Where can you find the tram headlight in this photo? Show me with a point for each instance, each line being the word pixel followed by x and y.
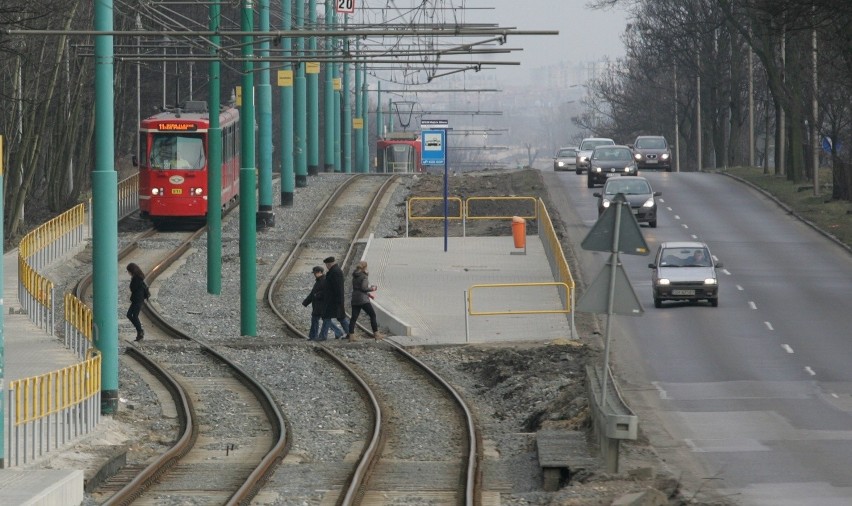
pixel 156 191
pixel 195 191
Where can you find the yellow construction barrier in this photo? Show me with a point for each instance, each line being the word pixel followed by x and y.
pixel 531 212
pixel 563 310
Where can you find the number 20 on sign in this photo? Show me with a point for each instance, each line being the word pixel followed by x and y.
pixel 344 6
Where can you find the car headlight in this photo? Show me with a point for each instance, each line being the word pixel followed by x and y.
pixel 663 281
pixel 597 169
pixel 638 156
pixel 560 164
pixel 710 281
pixel 649 203
pixel 665 156
pixel 629 168
pixel 605 203
pixel 584 158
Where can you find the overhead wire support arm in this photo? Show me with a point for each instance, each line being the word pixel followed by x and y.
pixel 408 32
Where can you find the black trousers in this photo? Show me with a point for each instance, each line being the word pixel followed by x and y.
pixel 133 316
pixel 367 308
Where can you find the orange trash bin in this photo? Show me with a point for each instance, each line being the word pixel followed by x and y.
pixel 519 231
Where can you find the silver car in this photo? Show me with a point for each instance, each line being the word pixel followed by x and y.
pixel 584 153
pixel 684 271
pixel 565 159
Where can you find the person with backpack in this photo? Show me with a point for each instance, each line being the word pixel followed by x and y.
pixel 138 294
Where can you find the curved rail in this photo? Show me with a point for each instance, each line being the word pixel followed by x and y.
pixel 189 429
pixel 371 454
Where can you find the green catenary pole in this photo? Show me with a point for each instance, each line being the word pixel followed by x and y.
pixel 313 96
pixel 2 323
pixel 248 199
pixel 285 82
pixel 365 113
pixel 328 100
pixel 105 212
pixel 346 118
pixel 379 117
pixel 338 162
pixel 214 163
pixel 359 114
pixel 265 217
pixel 301 110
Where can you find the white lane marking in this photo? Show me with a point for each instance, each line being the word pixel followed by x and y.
pixel 727 272
pixel 740 288
pixel 685 225
pixel 787 348
pixel 661 390
pixel 768 325
pixel 750 304
pixel 835 395
pixel 810 371
pixel 694 237
pixel 669 208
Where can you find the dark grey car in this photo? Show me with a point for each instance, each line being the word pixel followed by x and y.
pixel 638 193
pixel 609 161
pixel 652 152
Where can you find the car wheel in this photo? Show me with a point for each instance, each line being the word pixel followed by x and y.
pixel 714 302
pixel 590 183
pixel 652 224
pixel 658 303
pixel 578 170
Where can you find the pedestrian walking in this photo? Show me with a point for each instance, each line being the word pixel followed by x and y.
pixel 334 301
pixel 361 296
pixel 315 300
pixel 138 294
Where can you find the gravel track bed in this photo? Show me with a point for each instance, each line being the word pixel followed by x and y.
pixel 513 390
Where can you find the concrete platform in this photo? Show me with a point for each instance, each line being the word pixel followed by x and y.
pixel 42 487
pixel 421 295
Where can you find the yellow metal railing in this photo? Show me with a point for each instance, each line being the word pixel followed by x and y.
pixel 78 325
pixel 562 310
pixel 528 214
pixel 409 215
pixel 48 410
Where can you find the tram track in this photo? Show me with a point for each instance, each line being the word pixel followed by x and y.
pixel 230 433
pixel 398 441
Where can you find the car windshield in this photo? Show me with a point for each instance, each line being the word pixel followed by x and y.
pixel 566 153
pixel 588 145
pixel 613 154
pixel 685 257
pixel 651 143
pixel 615 186
pixel 184 151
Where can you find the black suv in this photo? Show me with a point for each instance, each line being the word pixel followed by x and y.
pixel 652 152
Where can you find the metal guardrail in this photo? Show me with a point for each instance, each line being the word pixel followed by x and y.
pixel 79 324
pixel 531 214
pixel 410 217
pixel 556 259
pixel 612 419
pixel 48 410
pixel 471 312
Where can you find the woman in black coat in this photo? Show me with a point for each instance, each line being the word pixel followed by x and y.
pixel 138 294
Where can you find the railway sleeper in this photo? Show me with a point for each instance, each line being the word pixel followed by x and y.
pixel 562 454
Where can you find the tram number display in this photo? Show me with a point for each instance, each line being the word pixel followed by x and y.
pixel 177 191
pixel 344 6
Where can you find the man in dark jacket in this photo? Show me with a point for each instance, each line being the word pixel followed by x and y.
pixel 315 299
pixel 335 302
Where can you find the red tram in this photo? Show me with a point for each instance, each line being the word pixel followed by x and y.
pixel 173 171
pixel 398 152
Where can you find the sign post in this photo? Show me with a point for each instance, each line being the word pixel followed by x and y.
pixel 434 153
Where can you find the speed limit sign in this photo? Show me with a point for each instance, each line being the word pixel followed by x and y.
pixel 344 6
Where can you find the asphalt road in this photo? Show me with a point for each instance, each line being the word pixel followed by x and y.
pixel 754 397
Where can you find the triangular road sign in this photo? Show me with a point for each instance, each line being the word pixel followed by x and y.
pixel 596 298
pixel 630 239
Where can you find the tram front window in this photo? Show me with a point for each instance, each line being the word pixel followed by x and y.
pixel 399 158
pixel 178 152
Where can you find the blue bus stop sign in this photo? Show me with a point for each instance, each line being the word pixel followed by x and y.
pixel 434 149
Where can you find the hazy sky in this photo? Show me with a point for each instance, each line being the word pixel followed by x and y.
pixel 584 34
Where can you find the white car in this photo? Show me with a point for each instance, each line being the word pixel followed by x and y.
pixel 684 271
pixel 565 159
pixel 584 152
